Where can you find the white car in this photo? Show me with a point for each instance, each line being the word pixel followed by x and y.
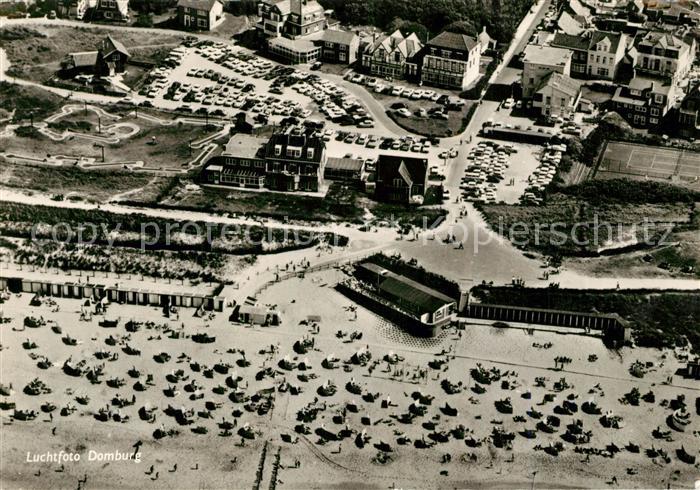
pixel 509 103
pixel 408 93
pixel 397 90
pixel 404 112
pixel 417 94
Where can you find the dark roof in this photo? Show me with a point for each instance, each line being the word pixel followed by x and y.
pixel 452 40
pixel 587 40
pixel 390 167
pixel 109 45
pixel 421 297
pixel 338 37
pixel 198 4
pixel 295 139
pixel 570 41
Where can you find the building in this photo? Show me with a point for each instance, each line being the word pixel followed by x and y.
pixel 201 15
pixel 339 46
pixel 294 51
pixel 112 57
pixel 540 61
pixel 291 160
pixel 432 308
pixel 688 124
pixel 393 56
pixel 645 101
pixel 451 60
pixel 77 63
pixel 290 18
pixel 111 10
pixel 240 165
pixel 665 55
pixel 401 179
pixel 295 161
pixel 595 54
pixel 344 169
pixel 255 315
pixel 72 8
pixel 557 95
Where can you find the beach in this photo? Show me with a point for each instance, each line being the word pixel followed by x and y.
pixel 355 440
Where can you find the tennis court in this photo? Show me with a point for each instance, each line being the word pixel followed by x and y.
pixel 650 162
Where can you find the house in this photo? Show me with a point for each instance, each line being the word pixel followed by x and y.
pixel 339 46
pixel 201 15
pixel 344 169
pixel 401 179
pixel 540 61
pixel 644 101
pixel 291 160
pixel 290 18
pixel 557 95
pixel 112 57
pixel 429 306
pixel 293 30
pixel 393 56
pixel 451 60
pixel 111 10
pixel 241 164
pixel 295 161
pixel 72 8
pixel 665 55
pixel 595 54
pixel 688 124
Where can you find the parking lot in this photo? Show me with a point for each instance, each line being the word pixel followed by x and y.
pixel 227 80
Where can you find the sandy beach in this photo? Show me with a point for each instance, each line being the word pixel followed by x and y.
pixel 436 452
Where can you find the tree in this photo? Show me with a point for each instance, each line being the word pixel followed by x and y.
pixel 144 20
pixel 408 27
pixel 462 27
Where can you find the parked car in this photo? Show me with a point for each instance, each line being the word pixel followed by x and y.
pixel 404 112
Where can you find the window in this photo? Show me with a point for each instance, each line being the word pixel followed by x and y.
pixel 309 153
pixel 654 111
pixel 658 98
pixel 398 182
pixel 548 100
pixel 278 150
pixel 653 120
pixel 342 57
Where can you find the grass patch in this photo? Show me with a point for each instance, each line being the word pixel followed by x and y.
pixel 97 185
pixel 428 126
pixel 27 102
pixel 36 52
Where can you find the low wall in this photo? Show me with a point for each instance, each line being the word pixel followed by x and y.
pixel 612 328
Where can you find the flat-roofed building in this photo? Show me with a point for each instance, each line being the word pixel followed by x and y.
pixel 427 305
pixel 344 169
pixel 540 61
